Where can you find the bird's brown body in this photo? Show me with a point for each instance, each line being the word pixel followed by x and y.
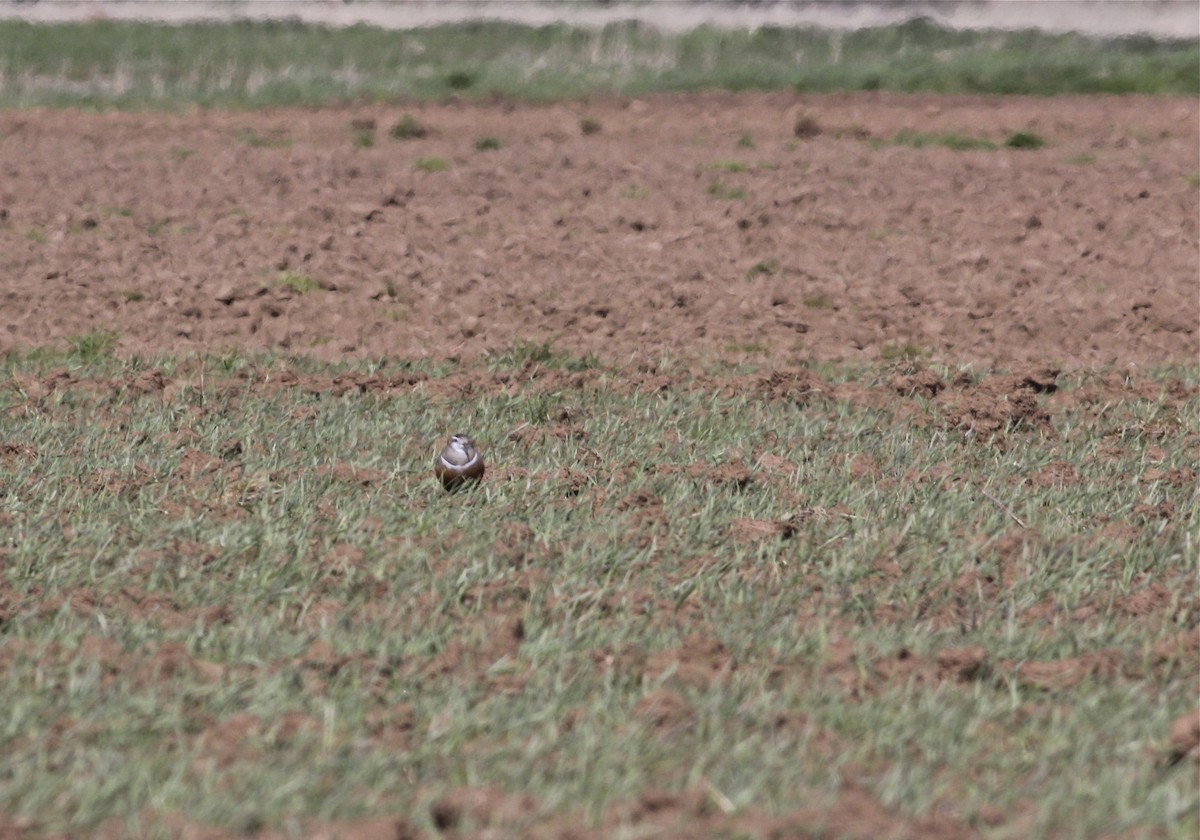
pixel 458 464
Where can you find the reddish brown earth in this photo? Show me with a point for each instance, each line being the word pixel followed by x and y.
pixel 173 230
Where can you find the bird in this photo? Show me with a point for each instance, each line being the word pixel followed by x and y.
pixel 459 463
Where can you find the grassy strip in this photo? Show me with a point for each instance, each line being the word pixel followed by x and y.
pixel 231 590
pixel 246 64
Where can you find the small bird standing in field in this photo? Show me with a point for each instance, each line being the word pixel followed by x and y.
pixel 459 463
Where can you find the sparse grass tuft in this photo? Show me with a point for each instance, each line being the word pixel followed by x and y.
pixel 902 352
pixel 408 128
pixel 951 140
pixel 277 139
pixel 1024 140
pixel 718 189
pixel 524 354
pixel 763 267
pixel 745 347
pixel 589 126
pixel 432 164
pixel 487 144
pixel 90 348
pixel 460 80
pixel 806 127
pixel 301 284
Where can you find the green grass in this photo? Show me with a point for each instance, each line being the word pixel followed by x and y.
pixel 408 128
pixel 1024 140
pixel 91 347
pixel 246 64
pixel 487 144
pixel 272 140
pixel 301 284
pixel 950 139
pixel 432 164
pixel 906 351
pixel 719 189
pixel 244 600
pixel 767 267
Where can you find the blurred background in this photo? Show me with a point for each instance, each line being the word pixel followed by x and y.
pixel 1104 18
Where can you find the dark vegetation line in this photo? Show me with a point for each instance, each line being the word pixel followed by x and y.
pixel 255 64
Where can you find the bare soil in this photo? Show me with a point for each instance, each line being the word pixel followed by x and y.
pixel 175 231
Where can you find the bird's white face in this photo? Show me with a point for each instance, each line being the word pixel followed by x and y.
pixel 462 445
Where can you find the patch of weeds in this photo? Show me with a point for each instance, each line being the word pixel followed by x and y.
pixel 164 226
pixel 271 140
pixel 36 234
pixel 745 347
pixel 729 166
pixel 907 351
pixel 432 164
pixel 408 128
pixel 806 127
pixel 589 126
pixel 719 190
pixel 524 354
pixel 364 139
pixel 765 267
pixel 746 140
pixel 885 232
pixel 119 211
pixel 818 302
pixel 1193 180
pixel 133 296
pixel 301 284
pixel 93 346
pixel 1085 158
pixel 1024 140
pixel 855 132
pixel 950 139
pixel 231 360
pixel 634 191
pixel 487 144
pixel 460 80
pixel 182 153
